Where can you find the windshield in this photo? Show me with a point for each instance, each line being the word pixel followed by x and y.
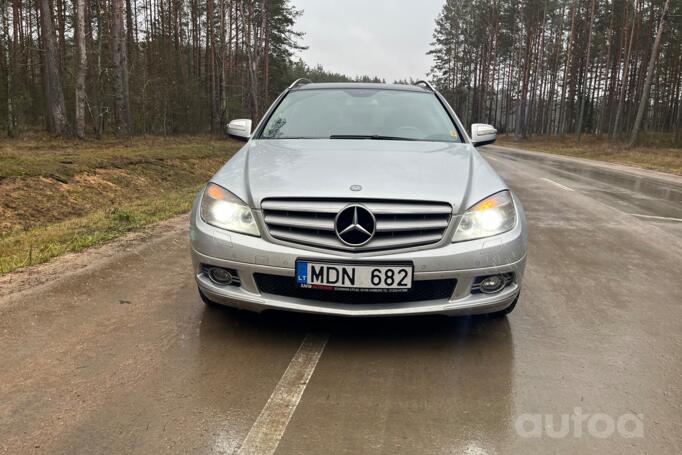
pixel 361 114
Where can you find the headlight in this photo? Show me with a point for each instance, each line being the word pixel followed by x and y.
pixel 493 215
pixel 222 209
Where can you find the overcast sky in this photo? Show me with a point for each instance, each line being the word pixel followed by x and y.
pixel 385 38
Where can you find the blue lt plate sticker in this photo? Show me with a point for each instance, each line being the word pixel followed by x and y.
pixel 301 272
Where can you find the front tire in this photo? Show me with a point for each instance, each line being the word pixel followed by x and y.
pixel 208 302
pixel 503 313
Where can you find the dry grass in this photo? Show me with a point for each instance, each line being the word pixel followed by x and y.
pixel 59 196
pixel 658 153
pixel 34 155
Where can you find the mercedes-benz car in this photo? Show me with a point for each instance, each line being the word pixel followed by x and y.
pixel 356 199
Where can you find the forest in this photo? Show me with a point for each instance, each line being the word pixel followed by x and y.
pixel 530 67
pixel 90 67
pixel 563 67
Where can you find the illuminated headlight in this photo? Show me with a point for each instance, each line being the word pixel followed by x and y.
pixel 493 215
pixel 222 209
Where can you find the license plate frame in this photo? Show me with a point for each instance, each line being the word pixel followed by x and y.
pixel 362 269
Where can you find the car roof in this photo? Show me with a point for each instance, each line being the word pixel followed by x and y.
pixel 361 85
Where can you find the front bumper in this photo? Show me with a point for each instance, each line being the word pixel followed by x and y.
pixel 464 261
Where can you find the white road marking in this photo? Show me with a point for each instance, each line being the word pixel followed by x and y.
pixel 492 158
pixel 267 430
pixel 654 217
pixel 557 184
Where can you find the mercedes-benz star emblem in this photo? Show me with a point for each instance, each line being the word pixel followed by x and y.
pixel 355 225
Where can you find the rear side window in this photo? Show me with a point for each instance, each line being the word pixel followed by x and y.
pixel 321 113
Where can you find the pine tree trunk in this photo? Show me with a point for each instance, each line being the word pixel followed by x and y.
pixel 251 44
pixel 98 114
pixel 584 91
pixel 266 53
pixel 120 63
pixel 129 30
pixel 223 65
pixel 79 121
pixel 9 69
pixel 605 105
pixel 52 83
pixel 210 35
pixel 521 120
pixel 649 76
pixel 677 138
pixel 624 82
pixel 563 111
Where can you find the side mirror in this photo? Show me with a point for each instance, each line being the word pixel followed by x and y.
pixel 482 134
pixel 240 129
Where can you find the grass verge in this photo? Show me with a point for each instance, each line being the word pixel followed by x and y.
pixel 60 196
pixel 660 154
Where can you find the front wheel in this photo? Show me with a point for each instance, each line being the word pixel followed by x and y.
pixel 206 300
pixel 502 313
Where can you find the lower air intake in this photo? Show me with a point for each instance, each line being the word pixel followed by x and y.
pixel 421 291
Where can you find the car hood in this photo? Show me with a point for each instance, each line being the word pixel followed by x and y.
pixel 323 168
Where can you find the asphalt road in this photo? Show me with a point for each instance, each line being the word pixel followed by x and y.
pixel 122 357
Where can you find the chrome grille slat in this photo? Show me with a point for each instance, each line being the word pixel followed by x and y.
pixel 378 208
pixel 301 222
pixel 375 244
pixel 410 225
pixel 399 224
pixel 303 206
pixel 307 239
pixel 412 240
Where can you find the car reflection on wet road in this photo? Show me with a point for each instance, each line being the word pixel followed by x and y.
pixel 598 331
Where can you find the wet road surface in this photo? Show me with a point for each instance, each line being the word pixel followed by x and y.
pixel 123 357
pixel 648 195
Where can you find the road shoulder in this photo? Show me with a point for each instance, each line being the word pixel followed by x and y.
pixel 616 167
pixel 35 278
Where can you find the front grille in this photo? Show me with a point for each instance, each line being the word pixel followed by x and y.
pixel 421 290
pixel 399 224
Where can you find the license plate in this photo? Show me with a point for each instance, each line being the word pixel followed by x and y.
pixel 375 277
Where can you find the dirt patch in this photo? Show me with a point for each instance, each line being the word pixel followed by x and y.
pixel 28 202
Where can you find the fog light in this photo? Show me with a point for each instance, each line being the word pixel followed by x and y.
pixel 220 276
pixel 492 284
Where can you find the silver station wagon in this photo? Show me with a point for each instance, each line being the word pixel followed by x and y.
pixel 357 199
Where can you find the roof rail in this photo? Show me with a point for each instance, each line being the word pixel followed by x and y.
pixel 427 84
pixel 300 81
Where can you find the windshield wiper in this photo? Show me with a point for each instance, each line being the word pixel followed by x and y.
pixel 376 137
